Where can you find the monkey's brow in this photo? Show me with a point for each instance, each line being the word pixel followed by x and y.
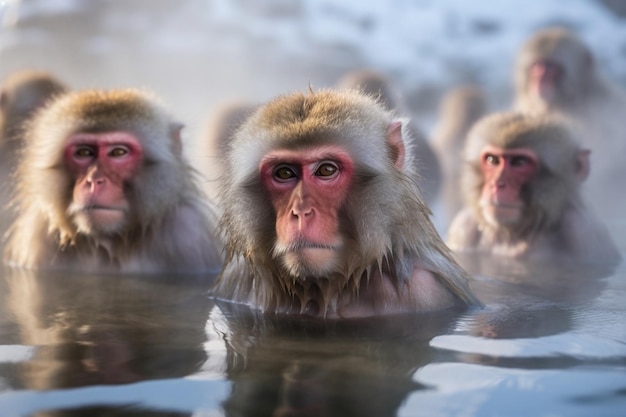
pixel 295 159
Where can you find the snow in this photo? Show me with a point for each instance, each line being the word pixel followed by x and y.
pixel 197 54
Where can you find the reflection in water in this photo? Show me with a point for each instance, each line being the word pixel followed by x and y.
pixel 102 330
pixel 284 366
pixel 129 346
pixel 505 281
pixel 109 330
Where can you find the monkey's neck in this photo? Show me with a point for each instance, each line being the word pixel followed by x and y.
pixel 276 290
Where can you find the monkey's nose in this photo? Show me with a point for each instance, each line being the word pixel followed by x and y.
pixel 302 211
pixel 303 217
pixel 96 182
pixel 499 183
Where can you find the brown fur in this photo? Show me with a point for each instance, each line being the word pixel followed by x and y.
pixel 169 229
pixel 385 217
pixel 554 211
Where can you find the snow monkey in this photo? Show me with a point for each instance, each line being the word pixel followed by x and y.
pixel 322 215
pixel 522 186
pixel 556 73
pixel 102 186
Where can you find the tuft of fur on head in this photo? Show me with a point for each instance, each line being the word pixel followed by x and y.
pixel 554 186
pixel 44 189
pixel 385 220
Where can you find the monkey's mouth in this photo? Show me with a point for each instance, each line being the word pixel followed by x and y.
pixel 301 244
pixel 305 258
pixel 502 213
pixel 298 246
pixel 95 218
pixel 103 214
pixel 499 205
pixel 97 207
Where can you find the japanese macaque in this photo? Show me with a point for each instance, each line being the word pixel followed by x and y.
pixel 460 108
pixel 219 132
pixel 102 186
pixel 522 184
pixel 21 94
pixel 378 86
pixel 322 214
pixel 556 73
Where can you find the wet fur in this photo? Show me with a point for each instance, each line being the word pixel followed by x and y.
pixel 385 219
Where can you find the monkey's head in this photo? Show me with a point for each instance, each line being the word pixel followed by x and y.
pixel 318 188
pixel 96 163
pixel 522 171
pixel 554 70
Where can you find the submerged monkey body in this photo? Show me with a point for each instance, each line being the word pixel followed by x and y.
pixel 322 215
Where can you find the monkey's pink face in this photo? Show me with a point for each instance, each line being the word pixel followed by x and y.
pixel 544 77
pixel 307 189
pixel 101 165
pixel 505 172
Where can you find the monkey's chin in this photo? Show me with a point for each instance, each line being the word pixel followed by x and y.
pixel 100 221
pixel 545 92
pixel 311 262
pixel 502 215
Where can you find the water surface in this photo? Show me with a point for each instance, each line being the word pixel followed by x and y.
pixel 85 345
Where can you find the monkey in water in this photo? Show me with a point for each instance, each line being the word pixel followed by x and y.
pixel 556 73
pixel 522 183
pixel 322 215
pixel 102 185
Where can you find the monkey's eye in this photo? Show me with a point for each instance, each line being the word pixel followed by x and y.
pixel 118 151
pixel 84 152
pixel 492 159
pixel 326 170
pixel 284 173
pixel 520 161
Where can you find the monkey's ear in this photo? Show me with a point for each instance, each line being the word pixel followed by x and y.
pixel 396 144
pixel 177 143
pixel 583 166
